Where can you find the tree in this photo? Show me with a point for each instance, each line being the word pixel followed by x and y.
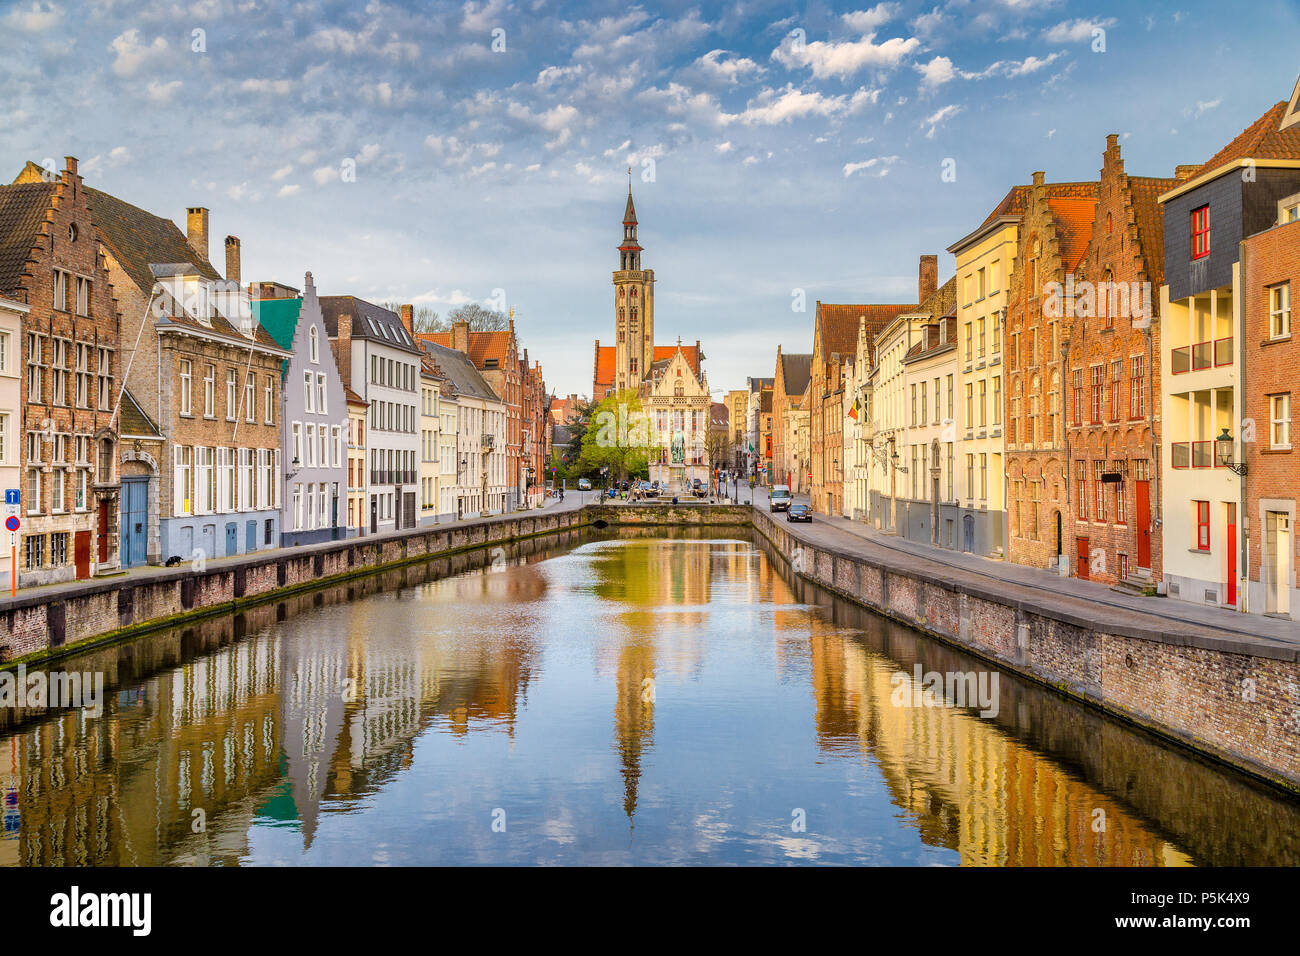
pixel 479 318
pixel 425 319
pixel 621 437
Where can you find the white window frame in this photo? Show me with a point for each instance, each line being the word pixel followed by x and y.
pixel 1279 424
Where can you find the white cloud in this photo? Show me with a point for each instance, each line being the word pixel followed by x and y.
pixel 939 117
pixel 772 108
pixel 36 17
pixel 830 59
pixel 1203 107
pixel 288 189
pixel 927 24
pixel 282 172
pixel 131 53
pixel 162 92
pixel 881 162
pixel 1076 31
pixel 324 174
pixel 866 21
pixel 935 73
pixel 750 160
pixel 734 70
pixel 724 147
pixel 278 87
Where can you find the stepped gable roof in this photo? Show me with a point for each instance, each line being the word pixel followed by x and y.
pixel 23 208
pixel 796 370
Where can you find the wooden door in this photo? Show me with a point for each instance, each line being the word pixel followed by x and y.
pixel 1083 552
pixel 1230 542
pixel 103 532
pixel 1143 519
pixel 81 553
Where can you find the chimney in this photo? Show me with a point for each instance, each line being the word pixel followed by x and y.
pixel 460 336
pixel 407 313
pixel 232 258
pixel 1039 177
pixel 343 348
pixel 1184 173
pixel 70 164
pixel 928 278
pixel 196 229
pixel 1112 140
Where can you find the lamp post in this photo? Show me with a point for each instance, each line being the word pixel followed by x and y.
pixel 1223 449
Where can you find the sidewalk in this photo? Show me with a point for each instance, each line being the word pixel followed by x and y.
pixel 843 533
pixel 145 571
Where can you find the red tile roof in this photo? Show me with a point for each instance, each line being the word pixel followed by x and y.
pixel 1261 140
pixel 1013 203
pixel 1073 228
pixel 483 346
pixel 606 356
pixel 837 325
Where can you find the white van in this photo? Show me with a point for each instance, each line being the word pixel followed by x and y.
pixel 779 498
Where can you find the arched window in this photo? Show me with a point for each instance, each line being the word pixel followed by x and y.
pixel 1110 224
pixel 314 339
pixel 106 461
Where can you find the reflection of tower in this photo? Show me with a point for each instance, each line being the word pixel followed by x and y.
pixel 634 715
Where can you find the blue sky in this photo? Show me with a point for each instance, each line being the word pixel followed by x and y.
pixel 765 159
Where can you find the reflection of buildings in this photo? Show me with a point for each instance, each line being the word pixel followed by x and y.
pixel 964 783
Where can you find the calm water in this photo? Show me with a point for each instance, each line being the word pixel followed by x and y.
pixel 603 701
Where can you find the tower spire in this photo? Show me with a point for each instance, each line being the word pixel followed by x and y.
pixel 629 253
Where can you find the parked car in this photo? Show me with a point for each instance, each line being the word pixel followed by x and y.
pixel 779 498
pixel 698 488
pixel 798 513
pixel 584 484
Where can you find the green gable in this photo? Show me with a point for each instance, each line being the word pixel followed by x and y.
pixel 280 319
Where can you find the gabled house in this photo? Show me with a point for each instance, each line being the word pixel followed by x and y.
pixel 313 420
pixel 679 406
pixel 52 263
pixel 207 377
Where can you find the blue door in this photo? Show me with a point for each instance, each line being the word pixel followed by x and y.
pixel 135 521
pixel 250 536
pixel 232 538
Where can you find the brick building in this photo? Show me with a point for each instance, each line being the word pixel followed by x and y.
pixel 1270 263
pixel 788 387
pixel 1053 239
pixel 206 376
pixel 835 337
pixel 1206 338
pixel 51 261
pixel 1113 387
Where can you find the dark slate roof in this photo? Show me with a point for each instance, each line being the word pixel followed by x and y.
pixel 139 239
pixel 148 248
pixel 134 420
pixel 796 369
pixel 369 321
pixel 459 371
pixel 22 210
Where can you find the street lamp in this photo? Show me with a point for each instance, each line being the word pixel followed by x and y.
pixel 1223 446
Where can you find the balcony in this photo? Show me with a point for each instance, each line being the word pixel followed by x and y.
pixel 489 442
pixel 1198 454
pixel 1202 355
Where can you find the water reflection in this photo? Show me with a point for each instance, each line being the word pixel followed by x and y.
pixel 610 700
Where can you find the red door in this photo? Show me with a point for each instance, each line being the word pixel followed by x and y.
pixel 1083 558
pixel 1230 541
pixel 1143 523
pixel 103 532
pixel 81 553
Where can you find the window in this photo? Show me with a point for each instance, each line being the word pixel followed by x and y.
pixel 105 461
pixel 56 490
pixel 59 548
pixel 1201 509
pixel 310 460
pixel 970 475
pixel 297 445
pixel 250 410
pixel 1279 430
pixel 984 387
pixel 209 390
pixel 83 375
pixel 1279 311
pixel 83 296
pixel 1013 353
pixel 297 504
pixel 322 405
pixel 1116 369
pixel 951 398
pixel 34 491
pixel 60 291
pixel 186 377
pixel 5 352
pixel 1136 386
pixel 313 338
pixel 1201 232
pixel 1098 384
pixel 105 379
pixel 230 394
pixel 980 337
pixel 970 404
pixel 311 505
pixel 308 392
pixel 913 408
pixel 336 434
pixel 1099 468
pixel 34 552
pixel 969 339
pixel 59 372
pixel 997 399
pixel 226 479
pixel 206 481
pixel 183 480
pixel 924 416
pixel 268 400
pixel 1081 480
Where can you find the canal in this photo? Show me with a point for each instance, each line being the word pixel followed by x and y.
pixel 597 699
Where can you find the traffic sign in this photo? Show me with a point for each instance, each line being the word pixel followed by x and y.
pixel 11 496
pixel 12 522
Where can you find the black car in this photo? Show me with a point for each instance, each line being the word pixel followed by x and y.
pixel 799 513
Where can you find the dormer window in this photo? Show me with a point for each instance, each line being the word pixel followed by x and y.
pixel 1201 232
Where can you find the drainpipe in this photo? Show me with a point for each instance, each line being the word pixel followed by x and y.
pixel 1243 521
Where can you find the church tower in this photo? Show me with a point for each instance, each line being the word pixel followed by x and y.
pixel 634 308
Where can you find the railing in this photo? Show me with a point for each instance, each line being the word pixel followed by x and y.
pixel 1198 454
pixel 1202 355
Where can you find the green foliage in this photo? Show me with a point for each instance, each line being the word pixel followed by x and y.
pixel 619 437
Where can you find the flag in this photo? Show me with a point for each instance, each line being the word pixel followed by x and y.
pixel 853 412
